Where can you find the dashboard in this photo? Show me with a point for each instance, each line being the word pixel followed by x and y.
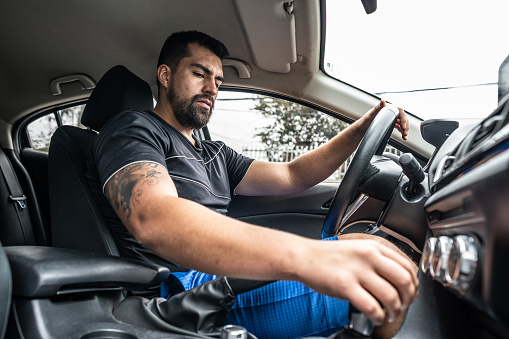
pixel 467 250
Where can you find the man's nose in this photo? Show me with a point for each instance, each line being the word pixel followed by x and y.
pixel 210 86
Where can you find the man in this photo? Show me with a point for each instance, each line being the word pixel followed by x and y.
pixel 169 193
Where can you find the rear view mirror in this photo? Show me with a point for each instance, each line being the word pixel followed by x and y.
pixel 369 6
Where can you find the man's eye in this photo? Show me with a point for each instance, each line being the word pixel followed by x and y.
pixel 217 85
pixel 199 75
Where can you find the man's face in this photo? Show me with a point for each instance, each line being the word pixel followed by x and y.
pixel 193 87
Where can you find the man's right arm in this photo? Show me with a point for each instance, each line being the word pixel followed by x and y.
pixel 179 230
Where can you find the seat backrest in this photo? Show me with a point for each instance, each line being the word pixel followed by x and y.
pixel 5 291
pixel 15 222
pixel 76 219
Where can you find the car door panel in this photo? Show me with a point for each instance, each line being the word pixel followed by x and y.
pixel 303 213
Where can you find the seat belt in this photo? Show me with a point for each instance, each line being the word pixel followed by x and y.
pixel 18 198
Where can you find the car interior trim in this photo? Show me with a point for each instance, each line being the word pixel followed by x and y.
pixel 86 82
pixel 278 24
pixel 243 69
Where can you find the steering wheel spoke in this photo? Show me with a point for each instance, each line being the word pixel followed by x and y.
pixel 353 207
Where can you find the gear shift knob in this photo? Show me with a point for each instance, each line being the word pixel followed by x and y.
pixel 360 326
pixel 360 323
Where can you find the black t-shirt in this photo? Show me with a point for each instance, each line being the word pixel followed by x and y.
pixel 207 173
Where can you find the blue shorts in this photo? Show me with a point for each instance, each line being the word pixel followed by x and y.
pixel 283 309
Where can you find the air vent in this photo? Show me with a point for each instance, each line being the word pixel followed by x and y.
pixel 443 166
pixel 484 131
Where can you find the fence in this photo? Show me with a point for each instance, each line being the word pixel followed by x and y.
pixel 260 152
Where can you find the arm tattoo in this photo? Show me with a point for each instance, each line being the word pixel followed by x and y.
pixel 126 186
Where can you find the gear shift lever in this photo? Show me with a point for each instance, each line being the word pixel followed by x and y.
pixel 360 323
pixel 360 327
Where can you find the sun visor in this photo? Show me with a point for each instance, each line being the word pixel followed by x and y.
pixel 270 29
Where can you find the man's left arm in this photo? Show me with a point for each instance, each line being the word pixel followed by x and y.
pixel 266 178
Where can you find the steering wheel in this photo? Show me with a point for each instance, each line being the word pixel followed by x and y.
pixel 373 142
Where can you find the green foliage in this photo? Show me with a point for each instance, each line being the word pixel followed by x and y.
pixel 294 126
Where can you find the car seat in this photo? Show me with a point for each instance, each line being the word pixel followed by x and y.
pixel 76 220
pixel 5 291
pixel 16 225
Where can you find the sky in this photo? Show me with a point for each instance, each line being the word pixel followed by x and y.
pixel 411 45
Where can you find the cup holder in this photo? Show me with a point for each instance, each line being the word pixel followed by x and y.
pixel 108 334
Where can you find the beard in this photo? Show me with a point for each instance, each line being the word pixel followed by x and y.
pixel 187 113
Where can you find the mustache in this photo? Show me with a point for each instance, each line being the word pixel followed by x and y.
pixel 199 97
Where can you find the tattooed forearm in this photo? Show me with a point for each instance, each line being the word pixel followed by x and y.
pixel 126 186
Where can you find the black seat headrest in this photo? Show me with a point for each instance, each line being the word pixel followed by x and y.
pixel 118 90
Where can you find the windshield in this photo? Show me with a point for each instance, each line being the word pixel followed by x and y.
pixel 436 59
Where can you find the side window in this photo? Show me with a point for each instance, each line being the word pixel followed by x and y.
pixel 41 129
pixel 272 129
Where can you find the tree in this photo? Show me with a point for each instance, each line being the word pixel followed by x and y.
pixel 294 129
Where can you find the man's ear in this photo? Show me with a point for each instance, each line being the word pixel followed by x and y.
pixel 164 75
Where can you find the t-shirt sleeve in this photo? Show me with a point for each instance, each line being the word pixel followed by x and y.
pixel 128 138
pixel 237 165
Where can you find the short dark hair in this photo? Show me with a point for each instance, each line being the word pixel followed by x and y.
pixel 176 47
